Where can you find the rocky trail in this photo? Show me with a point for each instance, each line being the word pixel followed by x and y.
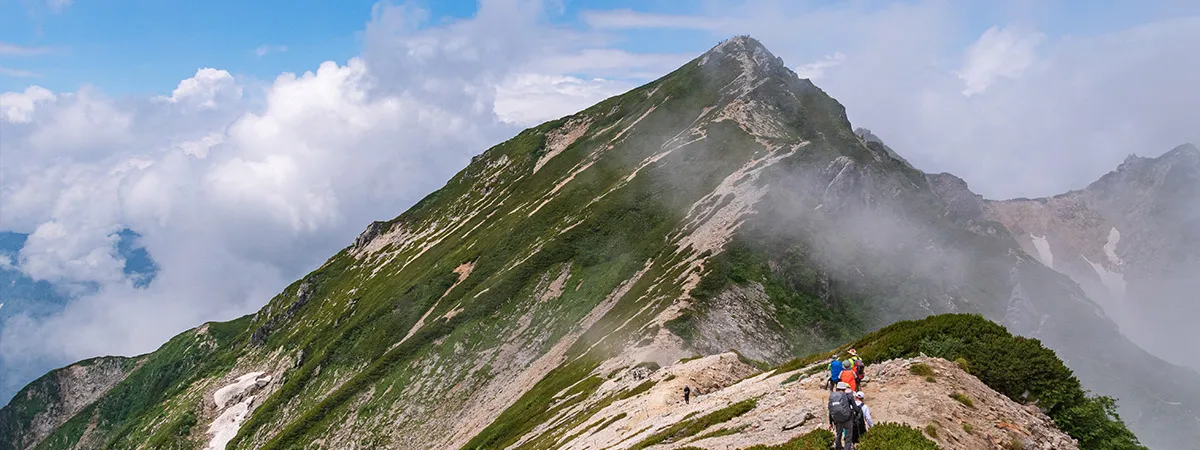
pixel 789 404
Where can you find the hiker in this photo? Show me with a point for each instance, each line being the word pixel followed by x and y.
pixel 687 394
pixel 848 376
pixel 841 417
pixel 835 372
pixel 858 365
pixel 864 421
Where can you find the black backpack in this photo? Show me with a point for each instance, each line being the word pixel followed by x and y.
pixel 841 407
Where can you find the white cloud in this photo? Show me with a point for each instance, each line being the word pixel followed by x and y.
pixel 530 99
pixel 263 50
pixel 999 53
pixel 200 147
pixel 57 253
pixel 206 88
pixel 82 123
pixel 18 107
pixel 611 63
pixel 814 70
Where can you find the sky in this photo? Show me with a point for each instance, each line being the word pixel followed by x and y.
pixel 246 142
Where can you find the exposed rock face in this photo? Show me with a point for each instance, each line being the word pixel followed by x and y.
pixel 1131 240
pixel 742 318
pixel 53 399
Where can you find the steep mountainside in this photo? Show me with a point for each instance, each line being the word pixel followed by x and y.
pixel 1131 240
pixel 726 206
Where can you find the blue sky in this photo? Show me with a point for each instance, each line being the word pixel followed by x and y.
pixel 242 177
pixel 145 47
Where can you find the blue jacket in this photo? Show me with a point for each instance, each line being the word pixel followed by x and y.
pixel 835 370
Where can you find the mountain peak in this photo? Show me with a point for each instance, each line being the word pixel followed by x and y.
pixel 751 53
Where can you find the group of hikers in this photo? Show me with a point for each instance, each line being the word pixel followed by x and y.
pixel 849 416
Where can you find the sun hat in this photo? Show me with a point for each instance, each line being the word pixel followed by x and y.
pixel 858 394
pixel 842 385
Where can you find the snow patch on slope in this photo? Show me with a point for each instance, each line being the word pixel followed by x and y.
pixel 1043 249
pixel 226 425
pixel 239 387
pixel 1110 247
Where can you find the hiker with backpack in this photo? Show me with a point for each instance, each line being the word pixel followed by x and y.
pixel 687 394
pixel 858 365
pixel 863 421
pixel 835 372
pixel 842 417
pixel 848 376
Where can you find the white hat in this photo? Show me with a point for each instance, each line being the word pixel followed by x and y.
pixel 858 394
pixel 842 385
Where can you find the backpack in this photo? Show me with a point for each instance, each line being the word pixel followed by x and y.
pixel 841 407
pixel 858 367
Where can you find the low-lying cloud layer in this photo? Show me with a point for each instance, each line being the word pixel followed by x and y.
pixel 237 190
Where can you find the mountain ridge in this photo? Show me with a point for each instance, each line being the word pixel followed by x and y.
pixel 620 235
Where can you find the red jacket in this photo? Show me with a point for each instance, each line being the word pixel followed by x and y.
pixel 848 377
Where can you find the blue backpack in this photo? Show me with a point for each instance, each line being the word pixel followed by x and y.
pixel 835 370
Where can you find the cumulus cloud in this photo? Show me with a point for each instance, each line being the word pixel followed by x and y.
pixel 205 89
pixel 235 195
pixel 999 53
pixel 529 99
pixel 18 107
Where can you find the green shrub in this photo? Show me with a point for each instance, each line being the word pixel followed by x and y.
pixel 964 399
pixel 1020 368
pixel 892 436
pixel 818 439
pixel 921 370
pixel 968 427
pixel 792 378
pixel 687 428
pixel 721 432
pixel 931 430
pixel 930 379
pixel 962 364
pixel 645 386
